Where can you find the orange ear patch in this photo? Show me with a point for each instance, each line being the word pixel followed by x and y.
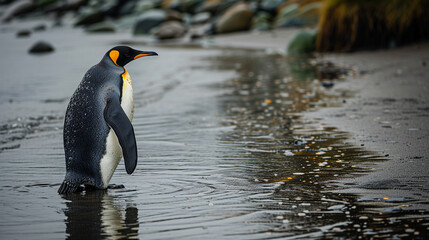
pixel 114 55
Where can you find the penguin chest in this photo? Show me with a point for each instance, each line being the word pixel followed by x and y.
pixel 113 153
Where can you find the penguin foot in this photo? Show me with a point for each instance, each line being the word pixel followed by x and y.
pixel 68 187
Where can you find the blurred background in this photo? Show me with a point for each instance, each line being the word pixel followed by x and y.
pixel 333 25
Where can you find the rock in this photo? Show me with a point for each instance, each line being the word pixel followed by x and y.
pixel 209 6
pixel 16 9
pixel 89 18
pixel 174 16
pixel 236 18
pixel 303 42
pixel 171 4
pixel 261 21
pixel 101 27
pixel 143 6
pixel 23 33
pixel 200 18
pixel 327 84
pixel 68 5
pixel 41 47
pixel 149 20
pixel 186 6
pixel 286 12
pixel 45 3
pixel 127 22
pixel 170 30
pixel 111 8
pixel 271 5
pixel 119 8
pixel 190 6
pixel 39 28
pixel 128 8
pixel 293 16
pixel 194 35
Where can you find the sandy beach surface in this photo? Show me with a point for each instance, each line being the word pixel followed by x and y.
pixel 388 114
pixel 386 111
pixel 233 143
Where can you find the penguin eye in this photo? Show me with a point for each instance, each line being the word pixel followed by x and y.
pixel 127 55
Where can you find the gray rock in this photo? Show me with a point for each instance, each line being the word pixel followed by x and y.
pixel 261 21
pixel 327 84
pixel 292 16
pixel 16 9
pixel 68 5
pixel 23 33
pixel 89 18
pixel 184 6
pixel 101 27
pixel 148 20
pixel 237 18
pixel 171 30
pixel 271 5
pixel 45 3
pixel 39 28
pixel 128 8
pixel 200 18
pixel 41 47
pixel 143 6
pixel 190 6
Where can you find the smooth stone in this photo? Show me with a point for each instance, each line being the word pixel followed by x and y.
pixel 307 15
pixel 101 27
pixel 149 20
pixel 261 21
pixel 271 5
pixel 15 9
pixel 201 18
pixel 38 28
pixel 41 47
pixel 237 18
pixel 89 18
pixel 327 84
pixel 23 33
pixel 171 30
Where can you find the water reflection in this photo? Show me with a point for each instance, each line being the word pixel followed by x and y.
pixel 294 162
pixel 224 155
pixel 98 215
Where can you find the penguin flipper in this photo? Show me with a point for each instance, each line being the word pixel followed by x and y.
pixel 121 125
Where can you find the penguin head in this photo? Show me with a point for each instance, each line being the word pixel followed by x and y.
pixel 121 55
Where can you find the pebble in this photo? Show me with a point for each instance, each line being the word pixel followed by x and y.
pixel 41 47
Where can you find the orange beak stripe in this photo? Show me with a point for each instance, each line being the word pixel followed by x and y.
pixel 140 55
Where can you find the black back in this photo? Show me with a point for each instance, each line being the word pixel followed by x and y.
pixel 85 130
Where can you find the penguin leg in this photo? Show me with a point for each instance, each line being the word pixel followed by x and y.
pixel 121 125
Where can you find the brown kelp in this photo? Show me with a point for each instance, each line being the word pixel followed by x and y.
pixel 347 25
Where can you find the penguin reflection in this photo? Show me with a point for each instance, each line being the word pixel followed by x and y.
pixel 95 215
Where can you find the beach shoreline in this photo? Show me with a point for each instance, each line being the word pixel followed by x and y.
pixel 387 113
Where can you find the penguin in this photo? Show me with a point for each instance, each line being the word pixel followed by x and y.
pixel 97 124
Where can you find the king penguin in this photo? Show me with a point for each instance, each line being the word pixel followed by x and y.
pixel 97 125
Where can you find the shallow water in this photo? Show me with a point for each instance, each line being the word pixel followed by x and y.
pixel 223 151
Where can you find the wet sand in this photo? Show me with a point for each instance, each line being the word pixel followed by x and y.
pixel 225 152
pixel 386 111
pixel 388 114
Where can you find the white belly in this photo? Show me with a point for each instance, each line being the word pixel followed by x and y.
pixel 113 155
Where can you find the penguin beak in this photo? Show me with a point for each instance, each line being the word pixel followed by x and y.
pixel 144 54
